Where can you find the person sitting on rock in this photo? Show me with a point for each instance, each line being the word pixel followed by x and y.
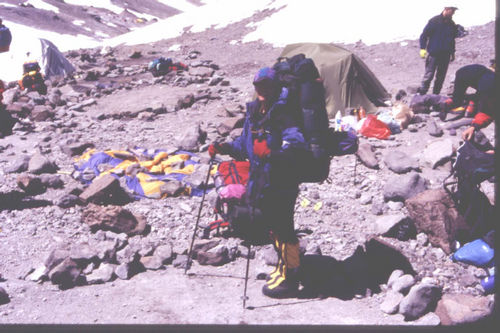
pixel 272 141
pixel 475 76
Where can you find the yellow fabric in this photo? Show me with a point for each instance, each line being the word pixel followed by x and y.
pixel 423 53
pixel 162 163
pixel 290 254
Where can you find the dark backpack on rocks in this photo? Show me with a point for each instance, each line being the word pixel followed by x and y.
pixel 471 168
pixel 301 76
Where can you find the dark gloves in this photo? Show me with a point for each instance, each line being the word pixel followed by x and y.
pixel 217 148
pixel 260 148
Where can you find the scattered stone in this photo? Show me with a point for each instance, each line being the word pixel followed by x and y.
pixel 390 305
pixel 399 162
pixel 366 153
pixel 185 102
pixel 365 199
pixel 204 245
pixel 55 258
pixel 201 71
pixel 396 274
pixel 395 205
pixel 230 124
pixel 30 184
pixel 384 223
pixel 217 258
pixel 66 274
pixel 403 187
pixel 4 297
pixel 181 261
pixel 438 152
pixel 151 262
pixel 40 164
pixel 420 300
pixel 164 253
pixel 128 254
pixel 39 274
pixel 124 271
pixel 433 128
pixel 429 319
pixel 422 239
pixel 403 283
pixel 456 309
pixel 19 165
pixel 68 200
pixel 102 274
pixel 76 149
pixel 191 139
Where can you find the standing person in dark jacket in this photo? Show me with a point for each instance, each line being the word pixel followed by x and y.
pixel 437 46
pixel 272 141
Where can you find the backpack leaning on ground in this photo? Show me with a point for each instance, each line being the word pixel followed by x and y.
pixel 471 168
pixel 301 76
pixel 161 66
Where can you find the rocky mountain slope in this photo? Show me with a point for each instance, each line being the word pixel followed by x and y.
pixel 51 226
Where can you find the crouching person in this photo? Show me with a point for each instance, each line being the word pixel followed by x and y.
pixel 273 143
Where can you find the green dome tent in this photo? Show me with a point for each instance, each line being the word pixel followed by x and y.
pixel 348 81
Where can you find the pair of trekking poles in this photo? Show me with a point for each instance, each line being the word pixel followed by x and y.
pixel 188 262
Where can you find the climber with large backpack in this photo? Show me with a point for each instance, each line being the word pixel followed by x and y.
pixel 32 79
pixel 274 144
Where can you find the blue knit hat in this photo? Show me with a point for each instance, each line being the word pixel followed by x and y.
pixel 265 73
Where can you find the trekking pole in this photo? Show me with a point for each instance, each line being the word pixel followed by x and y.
pixel 249 247
pixel 245 297
pixel 355 165
pixel 199 214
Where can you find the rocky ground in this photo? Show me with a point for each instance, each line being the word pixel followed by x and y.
pixel 365 275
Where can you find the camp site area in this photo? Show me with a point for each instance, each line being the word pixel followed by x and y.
pixel 103 180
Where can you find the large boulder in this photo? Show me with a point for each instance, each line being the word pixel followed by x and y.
pixel 435 214
pixel 113 218
pixel 403 187
pixel 455 309
pixel 105 190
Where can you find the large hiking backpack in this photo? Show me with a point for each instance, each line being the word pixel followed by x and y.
pixel 237 217
pixel 301 76
pixel 471 167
